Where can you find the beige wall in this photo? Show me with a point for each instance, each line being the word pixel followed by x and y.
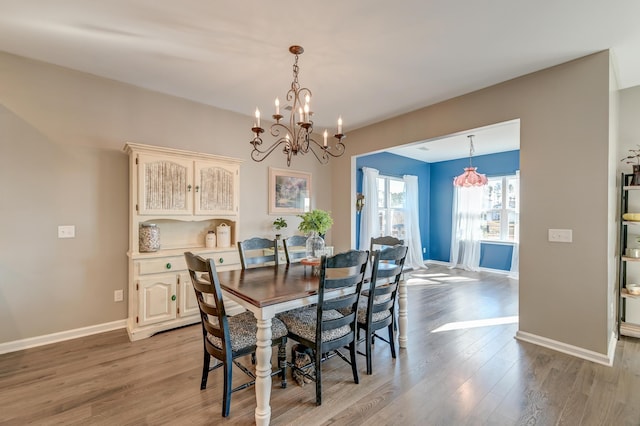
pixel 61 163
pixel 564 158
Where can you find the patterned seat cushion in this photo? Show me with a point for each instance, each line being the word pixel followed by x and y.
pixel 243 329
pixel 362 311
pixel 302 322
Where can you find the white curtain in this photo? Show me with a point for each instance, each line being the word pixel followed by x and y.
pixel 412 224
pixel 466 231
pixel 514 272
pixel 369 213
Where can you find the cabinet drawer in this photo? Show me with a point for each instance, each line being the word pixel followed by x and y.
pixel 223 258
pixel 165 264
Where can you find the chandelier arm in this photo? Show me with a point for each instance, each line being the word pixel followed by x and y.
pixel 323 159
pixel 339 148
pixel 259 154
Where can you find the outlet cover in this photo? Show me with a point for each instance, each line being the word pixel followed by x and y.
pixel 118 296
pixel 66 231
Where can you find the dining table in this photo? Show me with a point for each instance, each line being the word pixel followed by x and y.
pixel 269 290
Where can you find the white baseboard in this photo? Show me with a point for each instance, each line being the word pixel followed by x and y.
pixel 31 342
pixel 606 359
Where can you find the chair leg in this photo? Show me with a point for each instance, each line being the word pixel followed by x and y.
pixel 318 363
pixel 368 349
pixel 226 398
pixel 354 365
pixel 205 370
pixel 282 361
pixel 392 341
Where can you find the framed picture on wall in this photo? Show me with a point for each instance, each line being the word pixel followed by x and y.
pixel 289 191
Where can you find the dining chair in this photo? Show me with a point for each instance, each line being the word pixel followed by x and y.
pixel 378 243
pixel 227 338
pixel 322 328
pixel 376 309
pixel 295 241
pixel 252 252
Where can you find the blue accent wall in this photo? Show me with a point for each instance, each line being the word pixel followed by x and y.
pixel 436 196
pixel 398 166
pixel 493 256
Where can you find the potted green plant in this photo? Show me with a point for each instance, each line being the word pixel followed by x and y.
pixel 315 223
pixel 279 224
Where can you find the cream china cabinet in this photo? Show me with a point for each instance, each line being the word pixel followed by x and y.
pixel 184 194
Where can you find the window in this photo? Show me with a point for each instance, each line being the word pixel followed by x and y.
pixel 500 208
pixel 391 206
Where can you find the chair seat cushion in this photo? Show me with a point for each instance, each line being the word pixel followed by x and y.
pixel 302 322
pixel 242 330
pixel 362 312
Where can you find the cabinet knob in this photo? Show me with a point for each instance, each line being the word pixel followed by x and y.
pixel 173 297
pixel 221 260
pixel 188 188
pixel 168 266
pixel 197 188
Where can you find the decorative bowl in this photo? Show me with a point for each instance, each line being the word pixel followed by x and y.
pixel 632 252
pixel 633 288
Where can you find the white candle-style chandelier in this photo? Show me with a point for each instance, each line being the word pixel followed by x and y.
pixel 470 177
pixel 296 138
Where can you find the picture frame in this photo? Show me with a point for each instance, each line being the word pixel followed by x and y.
pixel 289 191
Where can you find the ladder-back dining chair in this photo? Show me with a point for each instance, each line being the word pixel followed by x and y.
pixel 323 328
pixel 252 252
pixel 376 309
pixel 227 338
pixel 378 243
pixel 295 241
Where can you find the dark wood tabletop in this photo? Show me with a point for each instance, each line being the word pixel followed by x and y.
pixel 269 285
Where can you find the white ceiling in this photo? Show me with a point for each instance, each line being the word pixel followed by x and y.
pixel 498 137
pixel 366 60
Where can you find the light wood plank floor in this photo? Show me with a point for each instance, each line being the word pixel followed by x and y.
pixel 451 374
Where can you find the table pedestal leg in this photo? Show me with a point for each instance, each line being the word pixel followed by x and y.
pixel 263 372
pixel 403 320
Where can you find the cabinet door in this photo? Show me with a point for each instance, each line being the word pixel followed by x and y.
pixel 188 301
pixel 216 190
pixel 165 185
pixel 156 299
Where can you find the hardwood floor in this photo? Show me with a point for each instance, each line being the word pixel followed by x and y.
pixel 453 373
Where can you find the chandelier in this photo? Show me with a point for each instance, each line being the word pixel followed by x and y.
pixel 470 177
pixel 297 137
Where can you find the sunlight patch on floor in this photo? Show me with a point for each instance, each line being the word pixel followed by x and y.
pixel 463 325
pixel 426 278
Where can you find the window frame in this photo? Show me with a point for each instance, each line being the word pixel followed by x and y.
pixel 504 211
pixel 387 210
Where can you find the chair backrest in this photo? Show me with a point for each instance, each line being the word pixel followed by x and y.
pixel 345 272
pixel 385 276
pixel 386 240
pixel 295 241
pixel 212 313
pixel 252 252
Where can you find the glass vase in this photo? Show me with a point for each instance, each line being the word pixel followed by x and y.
pixel 315 245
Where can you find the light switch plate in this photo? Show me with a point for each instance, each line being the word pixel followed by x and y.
pixel 66 231
pixel 561 235
pixel 118 295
